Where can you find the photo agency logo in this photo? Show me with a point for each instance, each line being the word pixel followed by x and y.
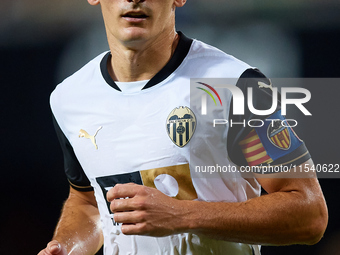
pixel 245 98
pixel 262 117
pixel 204 96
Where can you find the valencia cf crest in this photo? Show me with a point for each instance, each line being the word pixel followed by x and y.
pixel 278 135
pixel 181 125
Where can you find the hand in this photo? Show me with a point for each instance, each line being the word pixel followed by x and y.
pixel 145 210
pixel 53 248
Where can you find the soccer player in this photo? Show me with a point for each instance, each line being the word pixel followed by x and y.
pixel 131 141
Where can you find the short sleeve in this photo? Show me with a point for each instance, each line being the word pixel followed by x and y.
pixel 74 172
pixel 269 140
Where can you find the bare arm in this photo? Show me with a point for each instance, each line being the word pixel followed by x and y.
pixel 294 212
pixel 78 230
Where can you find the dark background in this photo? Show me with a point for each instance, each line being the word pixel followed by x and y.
pixel 33 183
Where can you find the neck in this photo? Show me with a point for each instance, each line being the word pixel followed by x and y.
pixel 143 62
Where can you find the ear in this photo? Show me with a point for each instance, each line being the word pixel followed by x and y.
pixel 93 2
pixel 179 3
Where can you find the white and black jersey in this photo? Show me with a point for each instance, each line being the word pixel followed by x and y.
pixel 154 137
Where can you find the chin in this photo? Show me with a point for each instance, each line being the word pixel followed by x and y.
pixel 135 34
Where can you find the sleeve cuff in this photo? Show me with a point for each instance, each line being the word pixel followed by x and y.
pixel 81 188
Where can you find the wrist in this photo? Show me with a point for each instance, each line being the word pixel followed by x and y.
pixel 188 216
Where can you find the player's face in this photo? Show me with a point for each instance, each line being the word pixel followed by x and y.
pixel 134 21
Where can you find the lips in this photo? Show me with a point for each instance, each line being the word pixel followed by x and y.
pixel 135 15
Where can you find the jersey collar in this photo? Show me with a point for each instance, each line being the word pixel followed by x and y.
pixel 177 58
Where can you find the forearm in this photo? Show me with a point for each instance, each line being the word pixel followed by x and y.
pixel 279 218
pixel 294 212
pixel 78 229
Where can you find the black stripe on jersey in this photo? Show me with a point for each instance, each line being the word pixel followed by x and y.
pixel 74 172
pixel 179 55
pixel 262 99
pixel 105 72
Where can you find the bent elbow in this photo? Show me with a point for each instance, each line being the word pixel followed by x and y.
pixel 317 231
pixel 317 227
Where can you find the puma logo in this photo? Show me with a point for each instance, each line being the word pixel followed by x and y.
pixel 83 133
pixel 266 86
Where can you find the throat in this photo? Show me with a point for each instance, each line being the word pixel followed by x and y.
pixel 129 65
